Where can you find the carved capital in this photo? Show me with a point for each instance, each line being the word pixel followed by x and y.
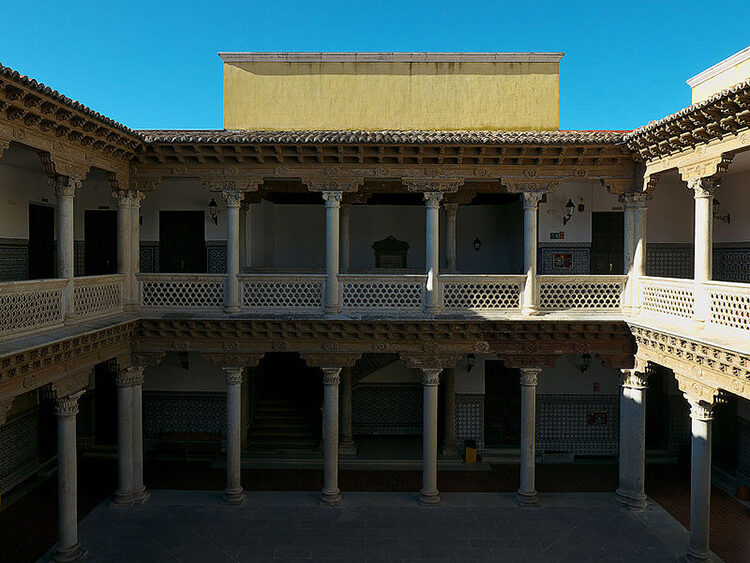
pixel 233 359
pixel 130 376
pixel 332 361
pixel 65 186
pixel 4 409
pixel 432 199
pixel 634 379
pixel 68 405
pixel 634 200
pixel 232 375
pixel 445 185
pixel 529 376
pixel 451 209
pixel 332 183
pixel 530 200
pixel 430 361
pixel 233 198
pixel 331 376
pixel 703 187
pixel 128 199
pixel 699 409
pixel 332 199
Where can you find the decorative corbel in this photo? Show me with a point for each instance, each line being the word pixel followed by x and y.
pixel 57 166
pixel 69 385
pixel 527 361
pixel 332 183
pixel 425 185
pixel 144 184
pixel 713 168
pixel 231 183
pixel 430 361
pixel 234 359
pixel 539 185
pixel 332 361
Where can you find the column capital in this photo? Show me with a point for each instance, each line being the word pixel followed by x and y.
pixel 699 409
pixel 331 376
pixel 703 187
pixel 4 409
pixel 332 198
pixel 529 376
pixel 530 200
pixel 450 208
pixel 130 376
pixel 431 376
pixel 232 375
pixel 432 199
pixel 634 200
pixel 233 198
pixel 128 199
pixel 65 186
pixel 633 379
pixel 68 405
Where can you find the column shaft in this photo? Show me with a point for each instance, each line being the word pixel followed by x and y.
pixel 429 494
pixel 527 495
pixel 233 494
pixel 632 460
pixel 68 549
pixel 639 252
pixel 700 481
pixel 135 242
pixel 703 192
pixel 65 190
pixel 232 285
pixel 332 202
pixel 530 293
pixel 139 488
pixel 346 249
pixel 123 241
pixel 451 212
pixel 331 493
pixel 432 251
pixel 125 462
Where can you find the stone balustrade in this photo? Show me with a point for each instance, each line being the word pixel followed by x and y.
pixel 31 305
pixel 95 296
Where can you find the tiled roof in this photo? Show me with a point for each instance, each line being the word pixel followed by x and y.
pixel 15 76
pixel 569 137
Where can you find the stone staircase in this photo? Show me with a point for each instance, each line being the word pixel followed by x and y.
pixel 284 426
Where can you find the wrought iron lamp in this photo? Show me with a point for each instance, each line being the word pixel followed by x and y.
pixel 477 244
pixel 723 218
pixel 569 210
pixel 470 361
pixel 213 211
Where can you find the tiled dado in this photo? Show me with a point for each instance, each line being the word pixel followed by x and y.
pixel 14 259
pixel 584 425
pixel 470 419
pixel 561 258
pixel 164 411
pixel 216 256
pixel 731 261
pixel 19 449
pixel 149 256
pixel 387 408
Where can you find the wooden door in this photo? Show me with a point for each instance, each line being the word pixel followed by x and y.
pixel 607 239
pixel 100 242
pixel 41 242
pixel 182 244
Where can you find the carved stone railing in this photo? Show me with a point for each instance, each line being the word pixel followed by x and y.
pixel 728 306
pixel 669 297
pixel 481 292
pixel 31 305
pixel 183 291
pixel 282 291
pixel 368 292
pixel 97 295
pixel 563 293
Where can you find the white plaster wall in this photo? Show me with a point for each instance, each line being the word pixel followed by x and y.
pixel 499 228
pixel 396 372
pixel 734 198
pixel 18 188
pixel 591 194
pixel 566 377
pixel 471 382
pixel 169 375
pixel 670 212
pixel 95 193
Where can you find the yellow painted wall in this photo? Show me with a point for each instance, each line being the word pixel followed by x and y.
pixel 726 79
pixel 391 95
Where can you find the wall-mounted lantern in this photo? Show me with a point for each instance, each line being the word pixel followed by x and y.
pixel 723 218
pixel 569 210
pixel 470 361
pixel 585 363
pixel 213 211
pixel 477 244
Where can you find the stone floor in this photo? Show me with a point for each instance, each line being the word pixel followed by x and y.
pixel 291 526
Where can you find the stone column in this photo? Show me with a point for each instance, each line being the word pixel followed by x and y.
pixel 140 495
pixel 65 190
pixel 68 547
pixel 331 494
pixel 530 294
pixel 233 200
pixel 432 251
pixel 527 495
pixel 333 203
pixel 703 192
pixel 136 197
pixel 701 414
pixel 347 445
pixel 451 211
pixel 346 248
pixel 639 248
pixel 234 494
pixel 124 263
pixel 124 491
pixel 631 488
pixel 450 446
pixel 429 494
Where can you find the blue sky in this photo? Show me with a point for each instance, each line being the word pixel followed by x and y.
pixel 154 64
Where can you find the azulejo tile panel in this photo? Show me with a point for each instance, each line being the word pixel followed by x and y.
pixel 586 425
pixel 182 412
pixel 19 449
pixel 387 408
pixel 216 256
pixel 14 259
pixel 470 419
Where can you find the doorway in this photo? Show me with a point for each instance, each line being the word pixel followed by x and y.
pixel 182 244
pixel 105 406
pixel 657 409
pixel 41 242
pixel 607 240
pixel 100 242
pixel 502 406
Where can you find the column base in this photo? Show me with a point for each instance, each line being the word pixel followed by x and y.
pixel 429 498
pixel 335 310
pixel 430 310
pixel 530 311
pixel 233 496
pixel 629 500
pixel 232 310
pixel 330 498
pixel 70 553
pixel 527 498
pixel 130 498
pixel 347 447
pixel 690 557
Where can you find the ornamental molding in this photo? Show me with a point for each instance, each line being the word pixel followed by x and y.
pixel 130 376
pixel 232 359
pixel 540 185
pixel 705 364
pixel 148 359
pixel 701 159
pixel 712 168
pixel 431 362
pixel 69 385
pixel 433 185
pixel 330 361
pixel 332 183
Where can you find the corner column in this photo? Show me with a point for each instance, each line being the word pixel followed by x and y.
pixel 432 251
pixel 124 492
pixel 530 202
pixel 703 192
pixel 429 495
pixel 634 204
pixel 233 201
pixel 331 494
pixel 233 494
pixel 347 445
pixel 451 212
pixel 527 495
pixel 333 204
pixel 68 547
pixel 65 190
pixel 631 489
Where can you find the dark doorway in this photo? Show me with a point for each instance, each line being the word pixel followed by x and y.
pixel 182 244
pixel 724 437
pixel 607 236
pixel 105 406
pixel 41 242
pixel 657 410
pixel 502 406
pixel 100 234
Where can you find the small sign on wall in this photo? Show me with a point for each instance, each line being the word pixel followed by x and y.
pixel 557 235
pixel 563 261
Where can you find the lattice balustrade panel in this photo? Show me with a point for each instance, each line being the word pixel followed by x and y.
pixel 668 300
pixel 97 299
pixel 182 293
pixel 382 295
pixel 580 295
pixel 282 293
pixel 481 295
pixel 731 310
pixel 29 310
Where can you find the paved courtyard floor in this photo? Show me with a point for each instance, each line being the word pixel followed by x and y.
pixel 292 526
